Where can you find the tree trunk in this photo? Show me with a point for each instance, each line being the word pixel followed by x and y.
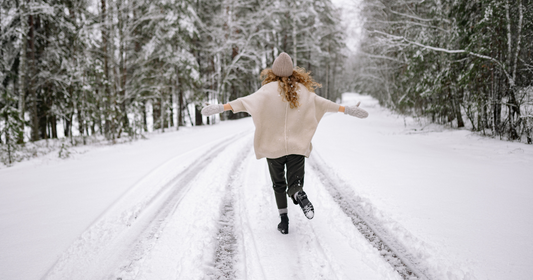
pixel 460 122
pixel 106 94
pixel 180 109
pixel 123 68
pixel 22 70
pixel 514 116
pixel 8 144
pixel 294 40
pixel 189 113
pixel 70 117
pixel 145 123
pixel 326 94
pixel 53 125
pixel 81 126
pixel 163 112
pixel 171 107
pixel 31 89
pixel 198 115
pixel 156 113
pixel 179 92
pixel 66 128
pixel 497 112
pixel 334 91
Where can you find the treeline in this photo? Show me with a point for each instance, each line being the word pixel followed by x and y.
pixel 456 62
pixel 95 68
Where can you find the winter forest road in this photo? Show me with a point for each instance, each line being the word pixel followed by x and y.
pixel 216 218
pixel 392 201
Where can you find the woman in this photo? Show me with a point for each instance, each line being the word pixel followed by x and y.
pixel 286 113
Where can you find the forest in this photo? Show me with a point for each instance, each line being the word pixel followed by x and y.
pixel 460 63
pixel 98 68
pixel 108 70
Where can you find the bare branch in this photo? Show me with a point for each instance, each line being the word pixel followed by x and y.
pixel 381 57
pixel 403 39
pixel 419 18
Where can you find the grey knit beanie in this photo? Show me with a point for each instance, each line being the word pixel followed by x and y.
pixel 282 66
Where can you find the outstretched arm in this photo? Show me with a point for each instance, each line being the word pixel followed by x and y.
pixel 341 109
pixel 227 107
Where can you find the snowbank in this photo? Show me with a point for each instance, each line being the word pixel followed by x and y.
pixel 461 202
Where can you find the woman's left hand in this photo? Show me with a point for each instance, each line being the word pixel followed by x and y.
pixel 355 111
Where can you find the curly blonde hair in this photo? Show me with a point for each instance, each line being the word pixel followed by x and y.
pixel 288 85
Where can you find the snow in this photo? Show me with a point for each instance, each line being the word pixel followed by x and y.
pixel 45 204
pixel 195 203
pixel 460 201
pixel 328 247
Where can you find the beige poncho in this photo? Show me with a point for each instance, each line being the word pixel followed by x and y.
pixel 280 130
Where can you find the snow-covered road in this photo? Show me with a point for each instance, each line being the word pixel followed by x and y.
pixel 196 204
pixel 175 229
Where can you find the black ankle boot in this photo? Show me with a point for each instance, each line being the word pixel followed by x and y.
pixel 283 226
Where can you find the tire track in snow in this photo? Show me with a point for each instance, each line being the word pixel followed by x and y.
pixel 397 256
pixel 227 247
pixel 186 245
pixel 149 238
pixel 225 252
pixel 132 232
pixel 265 253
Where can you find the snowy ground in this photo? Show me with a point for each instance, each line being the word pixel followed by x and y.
pixel 196 204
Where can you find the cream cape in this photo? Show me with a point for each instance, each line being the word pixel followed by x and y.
pixel 280 130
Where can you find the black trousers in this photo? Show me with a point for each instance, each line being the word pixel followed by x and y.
pixel 295 177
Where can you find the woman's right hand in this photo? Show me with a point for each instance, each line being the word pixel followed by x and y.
pixel 213 109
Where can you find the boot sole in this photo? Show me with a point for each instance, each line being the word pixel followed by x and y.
pixel 309 214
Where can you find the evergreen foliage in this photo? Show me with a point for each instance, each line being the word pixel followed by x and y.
pixel 452 61
pixel 121 68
